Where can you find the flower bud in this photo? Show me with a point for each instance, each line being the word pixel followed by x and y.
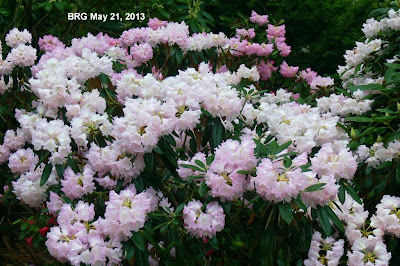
pixel 43 231
pixel 353 134
pixel 29 240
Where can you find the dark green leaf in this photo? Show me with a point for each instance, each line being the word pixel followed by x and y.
pixel 137 238
pixel 283 147
pixel 44 157
pixel 359 119
pixel 214 242
pixel 342 194
pixel 24 226
pixel 210 159
pixel 200 163
pixel 46 173
pixel 301 204
pixel 351 191
pixel 203 189
pixel 315 187
pixel 398 173
pixel 334 218
pixel 217 133
pixel 193 167
pixel 324 220
pixel 372 86
pixel 129 250
pixel 73 165
pixel 60 168
pixel 285 210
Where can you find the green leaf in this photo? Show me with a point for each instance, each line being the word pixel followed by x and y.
pixel 193 167
pixel 73 165
pixel 334 218
pixel 44 157
pixel 129 250
pixel 194 177
pixel 207 15
pixel 285 210
pixel 100 201
pixel 104 78
pixel 59 6
pixel 214 242
pixel 245 172
pixel 203 189
pixel 200 163
pixel 352 192
pixel 287 162
pixel 17 221
pixel 24 226
pixel 315 187
pixel 392 65
pixel 323 219
pixel 164 13
pixel 263 149
pixel 48 6
pixel 210 159
pixel 384 165
pixel 301 204
pixel 137 238
pixel 379 12
pixel 359 119
pixel 398 173
pixel 179 208
pixel 46 173
pixel 366 132
pixel 60 168
pixel 252 200
pixel 385 119
pixel 217 133
pixel 372 86
pixel 342 194
pixel 282 147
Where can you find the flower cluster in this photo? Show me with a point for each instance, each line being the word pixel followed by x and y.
pixel 107 125
pixel 203 223
pixel 378 154
pixel 324 251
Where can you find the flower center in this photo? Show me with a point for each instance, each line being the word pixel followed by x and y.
pixel 369 257
pixel 80 181
pixel 396 212
pixel 142 130
pixel 227 179
pixel 334 158
pixel 282 177
pixel 127 203
pixel 181 110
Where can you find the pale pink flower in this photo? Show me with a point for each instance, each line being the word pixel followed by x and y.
pixel 76 185
pixel 22 160
pixel 260 19
pixel 288 71
pixel 331 250
pixel 369 251
pixel 275 182
pixel 203 224
pixel 155 23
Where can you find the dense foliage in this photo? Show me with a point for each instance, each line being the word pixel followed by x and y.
pixel 165 146
pixel 318 31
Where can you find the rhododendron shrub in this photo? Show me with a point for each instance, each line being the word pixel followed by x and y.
pixel 161 147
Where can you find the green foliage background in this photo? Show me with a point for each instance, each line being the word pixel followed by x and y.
pixel 319 31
